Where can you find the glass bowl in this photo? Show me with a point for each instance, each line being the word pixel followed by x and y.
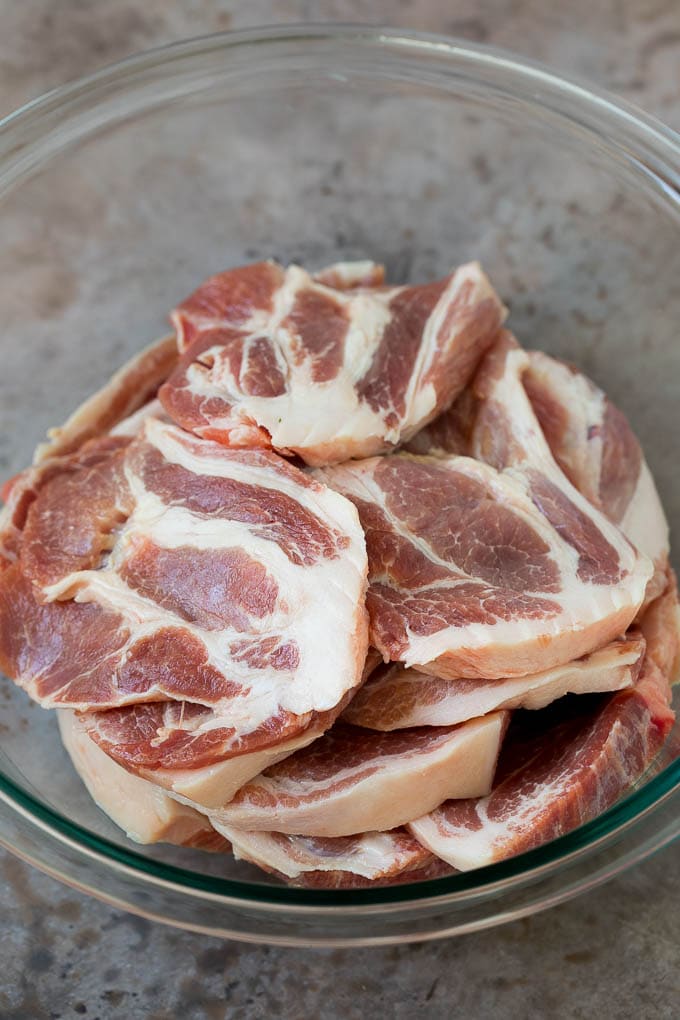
pixel 122 191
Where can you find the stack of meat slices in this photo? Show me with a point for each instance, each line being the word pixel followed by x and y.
pixel 313 578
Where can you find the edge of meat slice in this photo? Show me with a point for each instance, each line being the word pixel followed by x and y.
pixel 349 275
pixel 206 787
pixel 213 786
pixel 660 625
pixel 352 780
pixel 559 770
pixel 276 359
pixel 432 869
pixel 395 697
pixel 146 813
pixel 594 445
pixel 335 862
pixel 118 408
pixel 128 389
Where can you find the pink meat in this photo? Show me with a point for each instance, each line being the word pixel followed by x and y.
pixel 328 367
pixel 352 778
pixel 126 396
pixel 557 770
pixel 588 437
pixel 481 572
pixel 165 570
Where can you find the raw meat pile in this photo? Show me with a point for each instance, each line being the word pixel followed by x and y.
pixel 312 579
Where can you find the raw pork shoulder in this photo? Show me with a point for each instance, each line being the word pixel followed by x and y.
pixel 198 608
pixel 349 275
pixel 396 697
pixel 352 779
pixel 478 572
pixel 588 437
pixel 276 358
pixel 557 771
pixel 595 447
pixel 660 626
pixel 169 569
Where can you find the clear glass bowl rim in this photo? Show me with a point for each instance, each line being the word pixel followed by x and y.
pixel 37 131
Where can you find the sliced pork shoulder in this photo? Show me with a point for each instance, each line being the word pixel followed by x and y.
pixel 559 768
pixel 553 777
pixel 336 862
pixel 588 437
pixel 146 813
pixel 199 609
pixel 276 358
pixel 482 572
pixel 595 446
pixel 395 697
pixel 352 780
pixel 169 569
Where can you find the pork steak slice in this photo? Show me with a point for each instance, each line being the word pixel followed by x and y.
pixel 275 358
pixel 149 814
pixel 596 448
pixel 479 572
pixel 395 697
pixel 558 769
pixel 352 780
pixel 168 568
pixel 588 437
pixel 337 862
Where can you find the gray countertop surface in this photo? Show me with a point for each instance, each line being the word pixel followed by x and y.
pixel 613 952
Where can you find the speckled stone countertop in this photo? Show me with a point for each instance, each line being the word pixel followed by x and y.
pixel 614 952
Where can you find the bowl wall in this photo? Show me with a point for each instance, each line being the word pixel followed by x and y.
pixel 122 193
